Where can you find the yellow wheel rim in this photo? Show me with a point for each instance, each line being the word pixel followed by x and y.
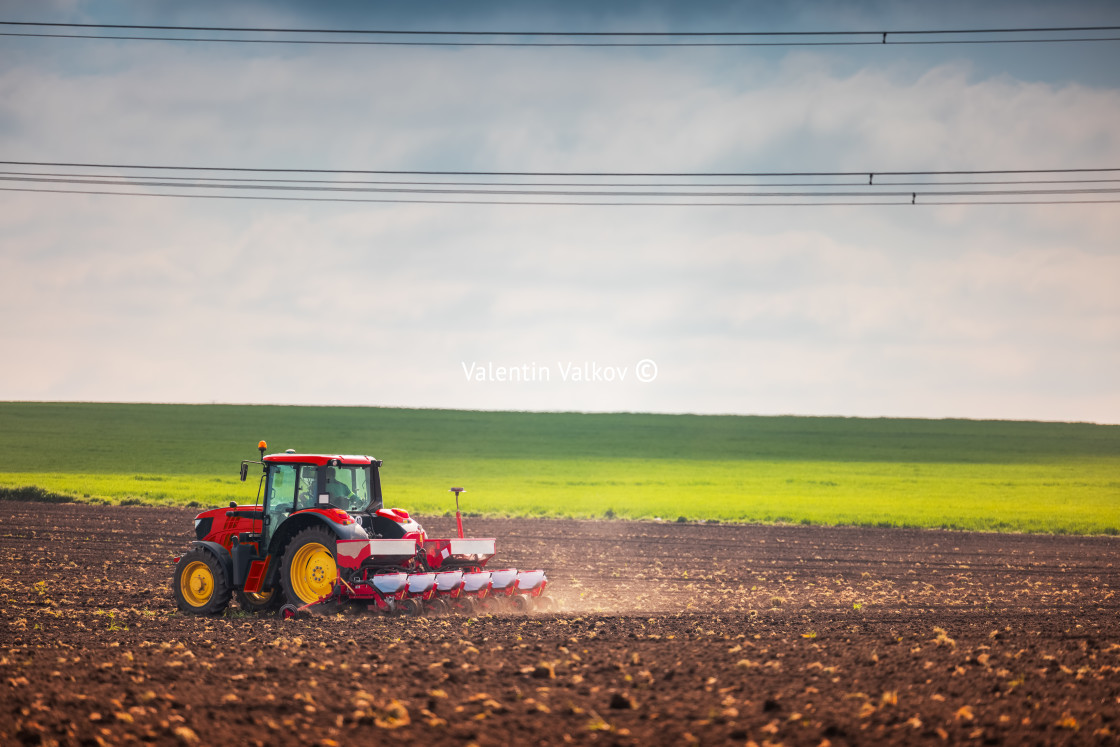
pixel 313 572
pixel 197 583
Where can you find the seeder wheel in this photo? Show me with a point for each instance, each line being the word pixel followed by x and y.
pixel 412 608
pixel 439 607
pixel 292 612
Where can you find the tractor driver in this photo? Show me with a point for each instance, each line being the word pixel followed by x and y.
pixel 340 493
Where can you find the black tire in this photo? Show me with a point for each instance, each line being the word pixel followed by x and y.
pixel 200 584
pixel 306 571
pixel 439 607
pixel 487 605
pixel 260 602
pixel 412 608
pixel 291 612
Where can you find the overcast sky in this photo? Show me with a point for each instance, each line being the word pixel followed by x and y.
pixel 972 311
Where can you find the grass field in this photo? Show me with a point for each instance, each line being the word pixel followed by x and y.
pixel 1009 476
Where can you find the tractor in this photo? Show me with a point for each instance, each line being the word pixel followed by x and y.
pixel 322 534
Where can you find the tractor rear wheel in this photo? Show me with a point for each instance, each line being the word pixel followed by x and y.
pixel 260 601
pixel 200 585
pixel 309 569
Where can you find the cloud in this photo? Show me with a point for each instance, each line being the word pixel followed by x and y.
pixel 974 311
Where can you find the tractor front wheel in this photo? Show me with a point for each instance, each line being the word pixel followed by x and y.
pixel 309 570
pixel 200 585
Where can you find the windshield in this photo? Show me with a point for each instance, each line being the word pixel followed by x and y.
pixel 348 486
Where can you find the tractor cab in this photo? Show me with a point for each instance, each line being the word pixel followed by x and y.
pixel 314 482
pixel 299 481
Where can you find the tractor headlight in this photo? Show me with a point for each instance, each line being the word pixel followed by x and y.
pixel 197 522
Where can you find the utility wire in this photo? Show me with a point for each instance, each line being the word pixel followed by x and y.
pixel 415 32
pixel 977 186
pixel 397 37
pixel 559 203
pixel 864 192
pixel 697 185
pixel 341 42
pixel 635 174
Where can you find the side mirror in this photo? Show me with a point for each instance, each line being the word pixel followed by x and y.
pixel 244 470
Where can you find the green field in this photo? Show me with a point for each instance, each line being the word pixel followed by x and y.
pixel 963 474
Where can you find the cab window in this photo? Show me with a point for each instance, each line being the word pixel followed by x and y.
pixel 281 488
pixel 308 486
pixel 348 487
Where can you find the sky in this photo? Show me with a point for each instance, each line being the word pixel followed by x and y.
pixel 971 311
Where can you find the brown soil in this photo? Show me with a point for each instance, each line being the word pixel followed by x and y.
pixel 669 633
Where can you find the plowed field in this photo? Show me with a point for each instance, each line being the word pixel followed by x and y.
pixel 667 634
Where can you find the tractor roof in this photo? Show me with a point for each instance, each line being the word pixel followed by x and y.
pixel 320 459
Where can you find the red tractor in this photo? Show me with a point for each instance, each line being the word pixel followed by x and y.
pixel 322 534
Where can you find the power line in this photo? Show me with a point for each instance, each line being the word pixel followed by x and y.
pixel 868 191
pixel 976 186
pixel 339 42
pixel 556 203
pixel 399 37
pixel 416 32
pixel 635 174
pixel 695 185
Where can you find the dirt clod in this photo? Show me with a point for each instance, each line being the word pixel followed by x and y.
pixel 666 633
pixel 622 701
